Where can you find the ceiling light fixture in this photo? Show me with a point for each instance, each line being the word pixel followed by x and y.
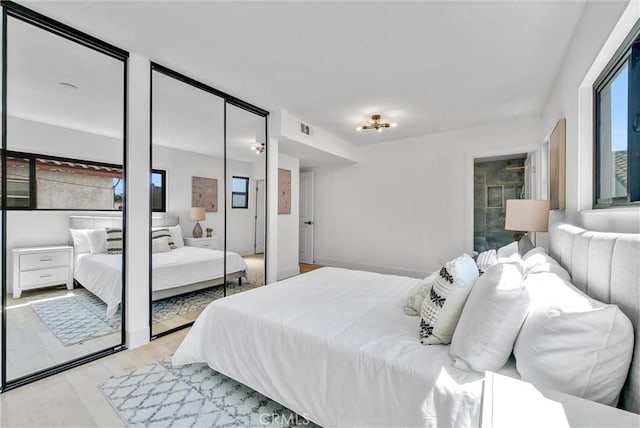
pixel 376 123
pixel 258 148
pixel 68 85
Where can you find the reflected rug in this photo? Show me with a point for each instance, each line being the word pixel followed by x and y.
pixel 159 395
pixel 76 316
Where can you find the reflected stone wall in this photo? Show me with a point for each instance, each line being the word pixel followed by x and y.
pixel 494 183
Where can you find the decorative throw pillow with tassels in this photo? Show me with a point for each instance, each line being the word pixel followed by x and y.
pixel 441 309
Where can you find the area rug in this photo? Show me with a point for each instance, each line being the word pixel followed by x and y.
pixel 159 395
pixel 79 316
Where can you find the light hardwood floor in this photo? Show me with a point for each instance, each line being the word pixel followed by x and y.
pixel 72 398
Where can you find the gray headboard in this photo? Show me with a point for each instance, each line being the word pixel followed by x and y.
pixel 605 266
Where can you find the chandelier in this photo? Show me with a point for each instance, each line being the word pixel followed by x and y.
pixel 258 148
pixel 376 123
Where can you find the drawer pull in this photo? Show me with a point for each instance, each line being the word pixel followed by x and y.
pixel 46 259
pixel 46 275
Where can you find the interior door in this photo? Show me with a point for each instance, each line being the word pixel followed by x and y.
pixel 260 214
pixel 306 217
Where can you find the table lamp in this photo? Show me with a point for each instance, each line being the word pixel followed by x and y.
pixel 527 215
pixel 197 214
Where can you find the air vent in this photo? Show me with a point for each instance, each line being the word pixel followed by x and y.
pixel 305 129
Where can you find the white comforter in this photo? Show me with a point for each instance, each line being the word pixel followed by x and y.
pixel 334 345
pixel 102 273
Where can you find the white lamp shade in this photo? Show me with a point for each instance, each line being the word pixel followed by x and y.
pixel 527 215
pixel 197 214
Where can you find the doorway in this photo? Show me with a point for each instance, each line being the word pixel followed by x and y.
pixel 496 179
pixel 306 218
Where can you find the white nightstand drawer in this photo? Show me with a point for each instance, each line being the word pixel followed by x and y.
pixel 38 278
pixel 44 260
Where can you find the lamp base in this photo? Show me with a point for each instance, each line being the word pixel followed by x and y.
pixel 197 231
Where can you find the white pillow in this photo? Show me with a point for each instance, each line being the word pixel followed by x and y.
pixel 97 240
pixel 442 307
pixel 573 343
pixel 486 259
pixel 508 250
pixel 491 319
pixel 538 261
pixel 176 234
pixel 160 245
pixel 413 305
pixel 80 241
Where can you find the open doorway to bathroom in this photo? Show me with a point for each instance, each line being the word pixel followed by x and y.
pixel 496 179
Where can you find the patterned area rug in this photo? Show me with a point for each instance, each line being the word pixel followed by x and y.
pixel 77 317
pixel 159 395
pixel 82 316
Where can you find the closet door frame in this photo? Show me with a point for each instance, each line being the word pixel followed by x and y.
pixel 16 11
pixel 228 99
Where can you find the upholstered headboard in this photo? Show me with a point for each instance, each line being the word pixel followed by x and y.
pixel 605 266
pixel 98 222
pixel 94 222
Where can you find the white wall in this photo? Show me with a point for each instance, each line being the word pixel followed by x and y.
pixel 181 166
pixel 592 47
pixel 405 206
pixel 288 224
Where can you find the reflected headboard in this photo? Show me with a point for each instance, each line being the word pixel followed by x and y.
pixel 99 222
pixel 94 222
pixel 606 266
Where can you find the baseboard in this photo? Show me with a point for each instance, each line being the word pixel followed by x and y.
pixel 288 273
pixel 372 268
pixel 138 338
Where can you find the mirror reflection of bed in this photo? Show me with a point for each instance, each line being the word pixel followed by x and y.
pixel 64 157
pixel 189 264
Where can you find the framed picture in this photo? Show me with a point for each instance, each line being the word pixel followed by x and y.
pixel 204 193
pixel 557 165
pixel 284 191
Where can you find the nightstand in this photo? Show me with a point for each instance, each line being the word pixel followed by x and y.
pixel 508 402
pixel 40 267
pixel 211 243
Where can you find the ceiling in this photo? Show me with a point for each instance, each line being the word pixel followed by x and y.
pixel 430 66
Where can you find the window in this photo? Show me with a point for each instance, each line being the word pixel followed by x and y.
pixel 42 182
pixel 240 192
pixel 617 152
pixel 159 190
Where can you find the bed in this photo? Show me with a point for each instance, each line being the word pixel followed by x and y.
pixel 174 272
pixel 334 345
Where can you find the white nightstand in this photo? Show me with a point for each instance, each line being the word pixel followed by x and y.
pixel 40 267
pixel 211 243
pixel 508 402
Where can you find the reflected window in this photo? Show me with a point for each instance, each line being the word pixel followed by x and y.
pixel 41 182
pixel 240 192
pixel 159 190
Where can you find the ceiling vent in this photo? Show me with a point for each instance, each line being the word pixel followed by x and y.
pixel 305 129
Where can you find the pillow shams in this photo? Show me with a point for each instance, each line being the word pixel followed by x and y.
pixel 417 295
pixel 97 240
pixel 442 307
pixel 491 319
pixel 573 343
pixel 80 241
pixel 176 235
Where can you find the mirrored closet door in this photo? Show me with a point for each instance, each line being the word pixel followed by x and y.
pixel 246 199
pixel 63 196
pixel 188 182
